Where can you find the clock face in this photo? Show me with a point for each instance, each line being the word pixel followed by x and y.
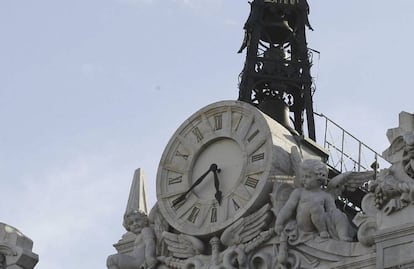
pixel 235 137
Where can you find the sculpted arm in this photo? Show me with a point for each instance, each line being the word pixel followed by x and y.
pixel 150 246
pixel 287 210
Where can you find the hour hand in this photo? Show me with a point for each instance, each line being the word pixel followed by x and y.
pixel 183 196
pixel 218 194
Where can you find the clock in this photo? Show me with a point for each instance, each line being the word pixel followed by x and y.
pixel 218 166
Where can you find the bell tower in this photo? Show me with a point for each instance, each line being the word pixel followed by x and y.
pixel 276 75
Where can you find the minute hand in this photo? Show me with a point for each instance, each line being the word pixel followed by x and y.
pixel 218 194
pixel 197 182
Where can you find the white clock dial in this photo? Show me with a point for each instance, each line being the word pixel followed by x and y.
pixel 235 140
pixel 228 156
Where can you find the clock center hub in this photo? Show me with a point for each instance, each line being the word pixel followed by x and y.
pixel 228 156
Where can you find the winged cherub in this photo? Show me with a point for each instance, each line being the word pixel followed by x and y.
pixel 315 207
pixel 143 255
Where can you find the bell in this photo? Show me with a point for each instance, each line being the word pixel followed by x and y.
pixel 278 26
pixel 276 32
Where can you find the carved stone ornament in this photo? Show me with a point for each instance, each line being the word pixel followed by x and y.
pixel 16 249
pixel 293 221
pixel 394 188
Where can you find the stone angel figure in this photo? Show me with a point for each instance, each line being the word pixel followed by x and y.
pixel 312 205
pixel 144 253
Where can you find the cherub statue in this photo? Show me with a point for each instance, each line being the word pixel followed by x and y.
pixel 143 254
pixel 315 207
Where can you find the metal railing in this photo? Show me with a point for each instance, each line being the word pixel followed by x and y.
pixel 346 152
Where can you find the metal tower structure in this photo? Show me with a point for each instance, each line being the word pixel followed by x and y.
pixel 276 75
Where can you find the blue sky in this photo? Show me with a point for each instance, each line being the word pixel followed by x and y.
pixel 91 90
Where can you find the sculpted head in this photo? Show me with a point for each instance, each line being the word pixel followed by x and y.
pixel 135 221
pixel 314 174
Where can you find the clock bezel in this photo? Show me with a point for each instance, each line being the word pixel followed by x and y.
pixel 258 120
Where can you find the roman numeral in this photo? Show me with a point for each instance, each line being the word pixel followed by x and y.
pixel 238 123
pixel 235 204
pixel 257 157
pixel 194 214
pixel 252 136
pixel 179 154
pixel 251 182
pixel 218 122
pixel 244 127
pixel 175 180
pixel 177 203
pixel 173 168
pixel 197 134
pixel 213 214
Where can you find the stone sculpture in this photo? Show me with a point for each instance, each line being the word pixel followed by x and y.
pixel 391 196
pixel 315 208
pixel 143 255
pixel 257 240
pixel 299 226
pixel 239 240
pixel 394 188
pixel 308 212
pixel 386 221
pixel 16 249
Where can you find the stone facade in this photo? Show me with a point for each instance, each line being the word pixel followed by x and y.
pixel 299 226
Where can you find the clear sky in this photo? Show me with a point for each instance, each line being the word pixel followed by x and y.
pixel 90 90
